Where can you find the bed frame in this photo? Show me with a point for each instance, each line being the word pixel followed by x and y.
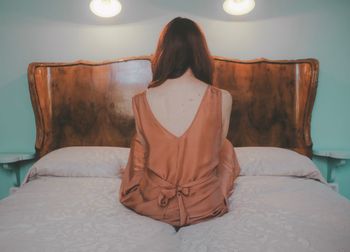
pixel 89 103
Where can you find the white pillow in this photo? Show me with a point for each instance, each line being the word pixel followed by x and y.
pixel 86 161
pixel 103 161
pixel 275 161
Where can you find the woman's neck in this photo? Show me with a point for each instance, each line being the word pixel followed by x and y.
pixel 183 79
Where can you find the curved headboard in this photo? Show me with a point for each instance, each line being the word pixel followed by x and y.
pixel 89 103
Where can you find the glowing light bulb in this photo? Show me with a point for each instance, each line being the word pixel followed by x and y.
pixel 238 7
pixel 105 8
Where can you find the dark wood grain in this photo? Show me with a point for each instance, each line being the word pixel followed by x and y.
pixel 89 104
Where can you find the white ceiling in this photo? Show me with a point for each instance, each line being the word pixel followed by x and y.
pixel 77 11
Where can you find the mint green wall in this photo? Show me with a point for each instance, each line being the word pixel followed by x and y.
pixel 39 30
pixel 7 179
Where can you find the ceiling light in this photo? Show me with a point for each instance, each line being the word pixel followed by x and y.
pixel 105 8
pixel 238 7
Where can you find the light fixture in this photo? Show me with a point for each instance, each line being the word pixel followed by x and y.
pixel 105 8
pixel 238 7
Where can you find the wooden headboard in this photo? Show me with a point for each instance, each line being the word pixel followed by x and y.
pixel 89 103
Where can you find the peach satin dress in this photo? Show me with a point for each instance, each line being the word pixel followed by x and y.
pixel 179 180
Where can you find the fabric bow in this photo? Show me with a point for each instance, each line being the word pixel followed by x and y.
pixel 168 193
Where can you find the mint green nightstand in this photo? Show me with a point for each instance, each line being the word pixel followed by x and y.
pixel 335 158
pixel 12 160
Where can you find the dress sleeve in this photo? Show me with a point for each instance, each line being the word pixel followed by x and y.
pixel 134 169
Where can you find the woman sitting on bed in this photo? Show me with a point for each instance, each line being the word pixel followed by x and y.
pixel 181 166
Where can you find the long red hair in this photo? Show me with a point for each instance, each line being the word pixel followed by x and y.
pixel 181 45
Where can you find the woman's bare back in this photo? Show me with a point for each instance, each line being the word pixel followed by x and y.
pixel 176 102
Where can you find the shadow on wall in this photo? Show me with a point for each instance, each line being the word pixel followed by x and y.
pixel 78 11
pixel 16 108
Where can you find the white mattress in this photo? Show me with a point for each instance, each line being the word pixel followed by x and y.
pixel 267 213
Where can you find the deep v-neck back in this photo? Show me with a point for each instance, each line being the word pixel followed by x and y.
pixel 149 109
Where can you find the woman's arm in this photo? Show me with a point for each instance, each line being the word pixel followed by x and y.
pixel 226 112
pixel 228 169
pixel 134 169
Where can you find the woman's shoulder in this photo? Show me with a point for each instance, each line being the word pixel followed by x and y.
pixel 226 95
pixel 226 101
pixel 138 95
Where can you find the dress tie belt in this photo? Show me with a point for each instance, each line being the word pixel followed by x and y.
pixel 169 191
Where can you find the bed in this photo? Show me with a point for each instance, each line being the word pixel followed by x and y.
pixel 68 200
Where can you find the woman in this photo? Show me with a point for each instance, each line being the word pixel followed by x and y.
pixel 181 167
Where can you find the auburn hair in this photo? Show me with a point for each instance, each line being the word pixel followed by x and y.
pixel 181 45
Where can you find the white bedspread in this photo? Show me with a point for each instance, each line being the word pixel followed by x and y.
pixel 77 214
pixel 271 213
pixel 268 213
